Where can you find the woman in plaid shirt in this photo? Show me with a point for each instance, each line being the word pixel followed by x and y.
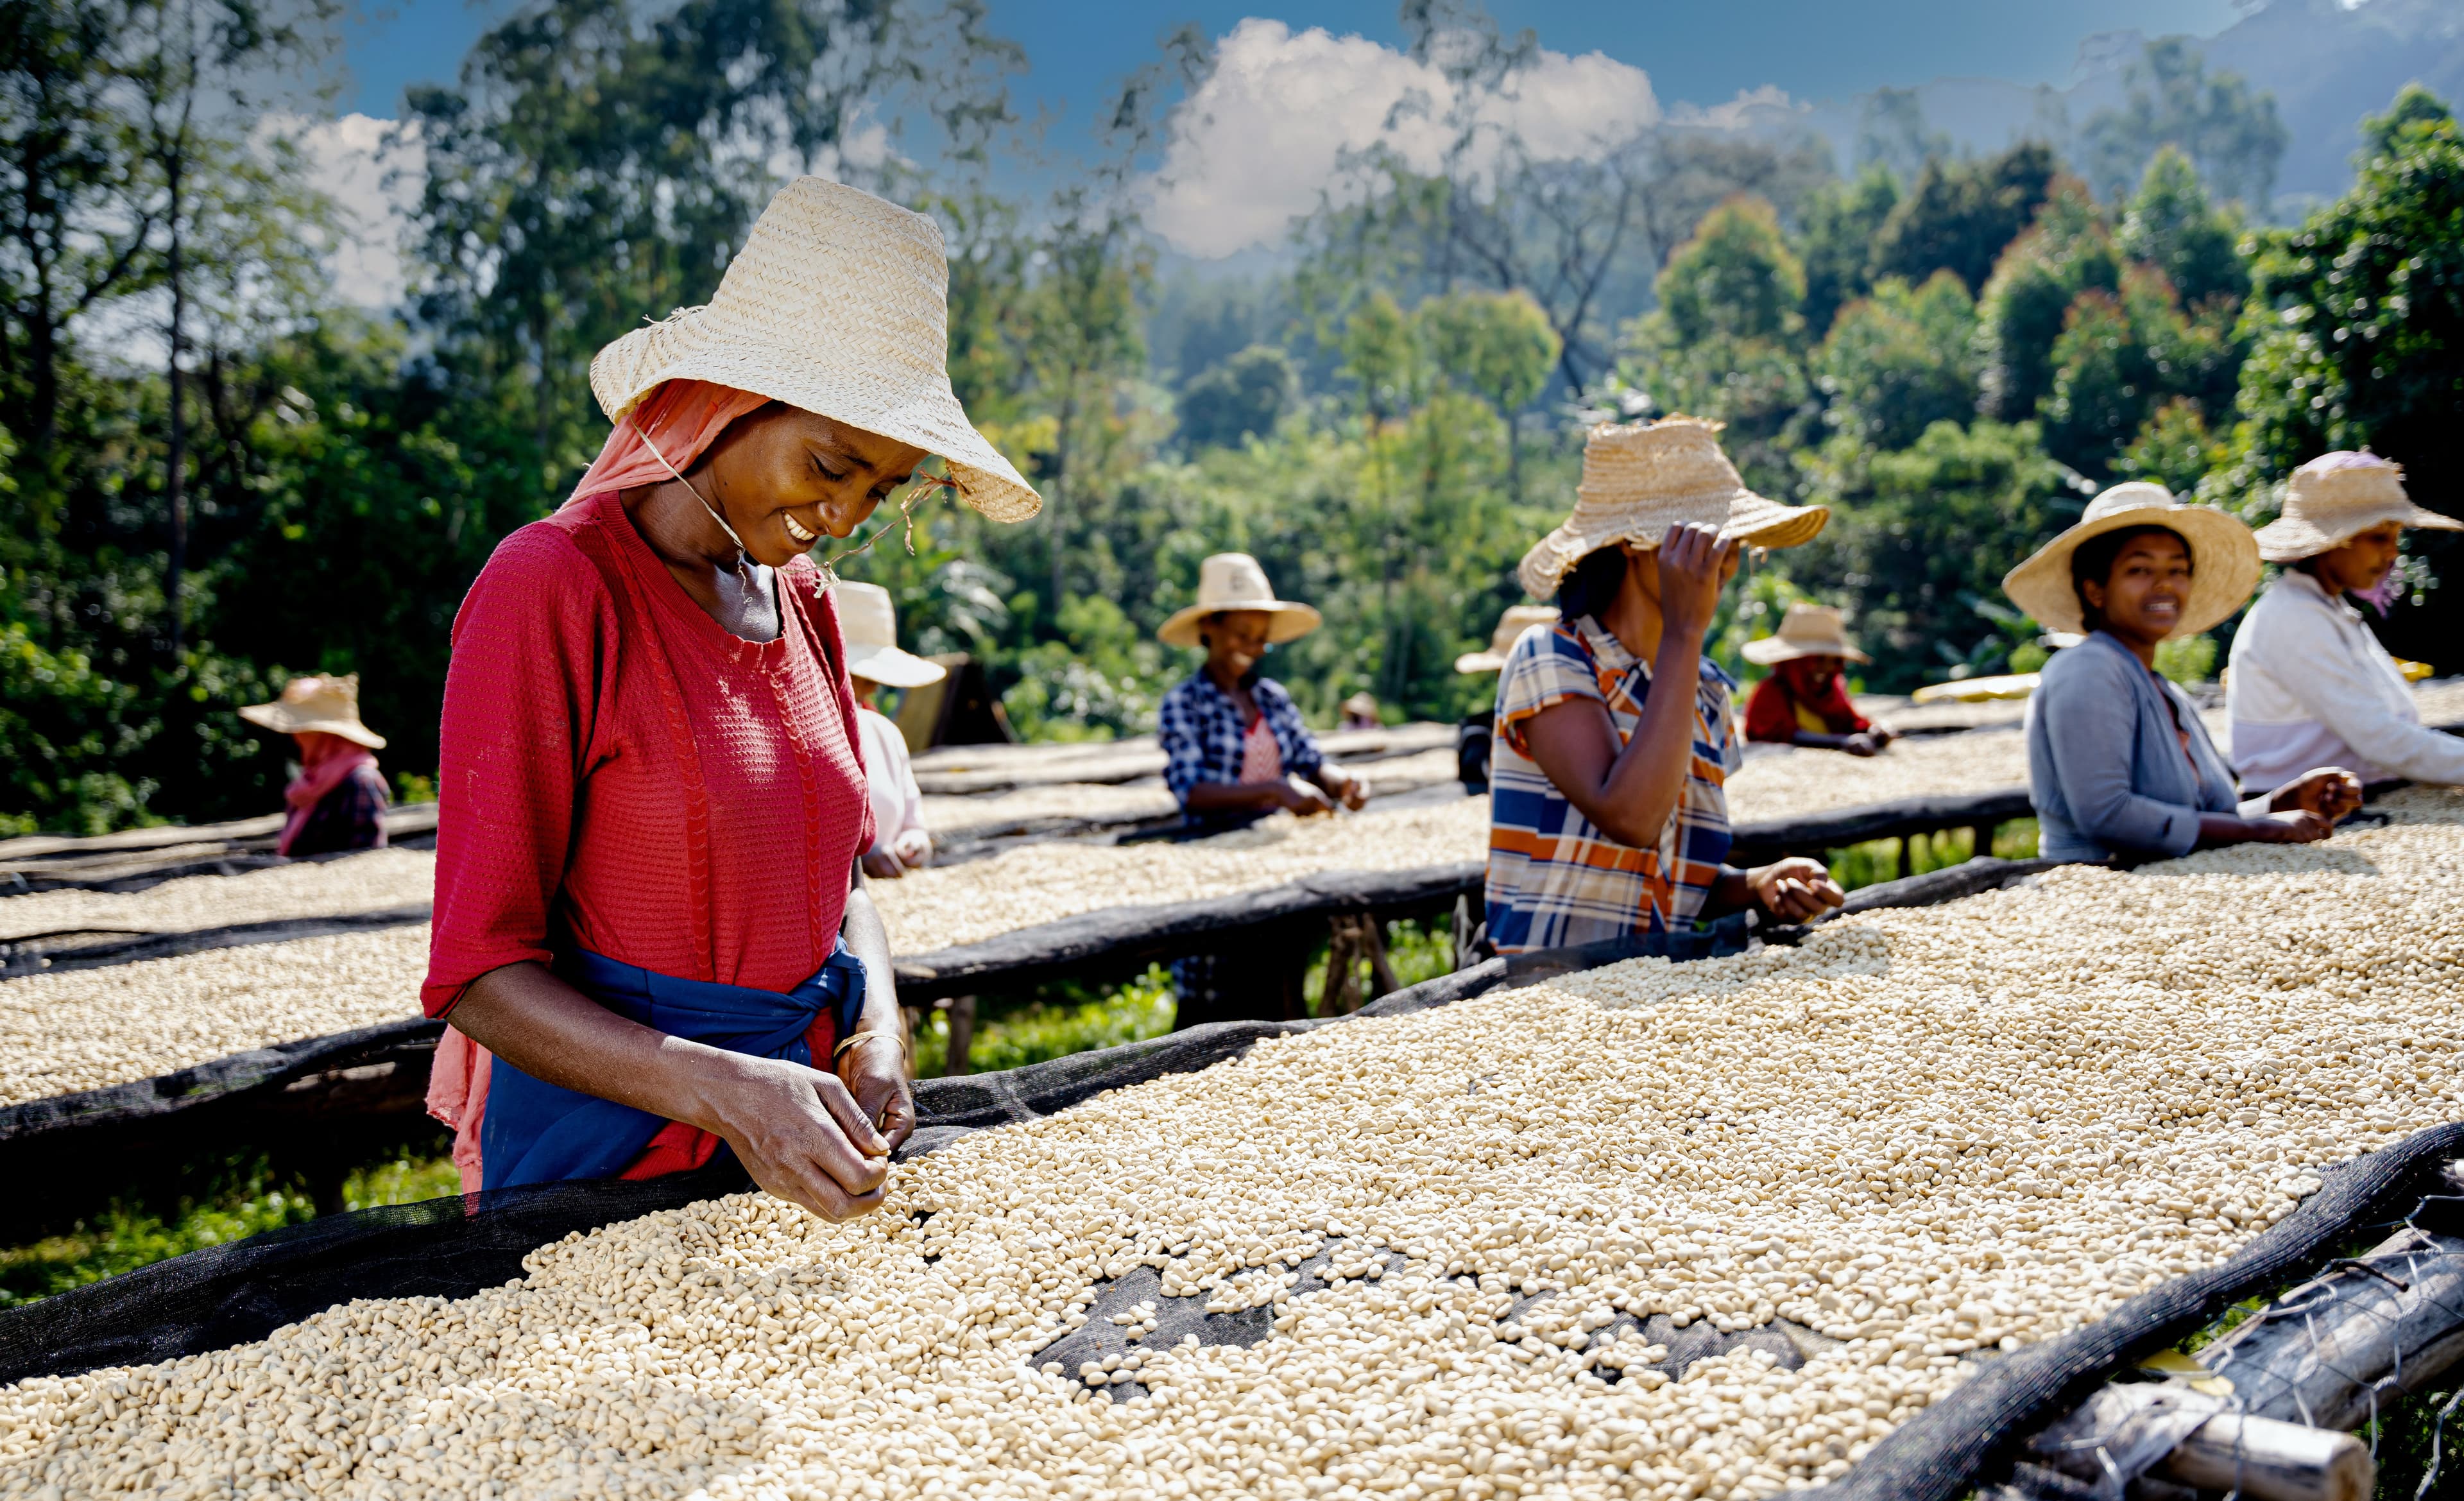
pixel 1609 814
pixel 1234 745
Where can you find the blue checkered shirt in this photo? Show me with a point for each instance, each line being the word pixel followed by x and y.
pixel 1201 730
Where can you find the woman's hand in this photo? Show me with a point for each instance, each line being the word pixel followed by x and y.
pixel 1352 791
pixel 1793 890
pixel 800 1133
pixel 1693 564
pixel 914 847
pixel 1865 743
pixel 2330 791
pixel 2294 827
pixel 1301 799
pixel 875 1073
pixel 884 865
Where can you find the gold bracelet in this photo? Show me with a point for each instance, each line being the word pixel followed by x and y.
pixel 854 1038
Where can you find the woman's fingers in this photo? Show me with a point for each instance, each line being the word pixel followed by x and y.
pixel 855 1127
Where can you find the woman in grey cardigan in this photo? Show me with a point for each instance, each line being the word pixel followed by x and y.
pixel 2118 761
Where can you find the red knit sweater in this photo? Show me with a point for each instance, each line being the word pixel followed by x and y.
pixel 621 773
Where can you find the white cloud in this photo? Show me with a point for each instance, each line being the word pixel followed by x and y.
pixel 375 188
pixel 1257 143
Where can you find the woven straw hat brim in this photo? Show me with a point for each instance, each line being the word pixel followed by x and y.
pixel 684 347
pixel 2224 563
pixel 892 667
pixel 277 716
pixel 1479 662
pixel 1742 517
pixel 1291 622
pixel 2290 539
pixel 1771 650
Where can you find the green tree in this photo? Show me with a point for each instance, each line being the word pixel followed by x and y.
pixel 2121 354
pixel 2356 322
pixel 1919 540
pixel 2414 106
pixel 1241 398
pixel 2065 251
pixel 1960 215
pixel 2229 130
pixel 1837 245
pixel 2175 448
pixel 1500 346
pixel 1901 361
pixel 2170 225
pixel 1735 277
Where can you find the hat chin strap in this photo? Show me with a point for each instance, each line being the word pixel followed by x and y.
pixel 743 554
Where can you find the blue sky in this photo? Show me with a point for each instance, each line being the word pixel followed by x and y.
pixel 1698 52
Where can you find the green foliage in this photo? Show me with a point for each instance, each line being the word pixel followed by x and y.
pixel 2188 660
pixel 2356 330
pixel 1901 361
pixel 2171 226
pixel 1735 278
pixel 2232 133
pixel 1068 1019
pixel 1919 539
pixel 2416 108
pixel 2174 449
pixel 1878 860
pixel 2065 251
pixel 1101 679
pixel 1960 214
pixel 1837 245
pixel 1241 398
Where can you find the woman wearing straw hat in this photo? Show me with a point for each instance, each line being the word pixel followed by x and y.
pixel 338 801
pixel 648 913
pixel 900 841
pixel 1471 737
pixel 1805 700
pixel 1615 735
pixel 2118 761
pixel 2310 684
pixel 1234 745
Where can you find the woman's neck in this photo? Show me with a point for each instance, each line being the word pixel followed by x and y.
pixel 2141 646
pixel 1227 677
pixel 684 534
pixel 1633 617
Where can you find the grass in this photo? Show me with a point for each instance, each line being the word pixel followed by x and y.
pixel 1878 859
pixel 219 1201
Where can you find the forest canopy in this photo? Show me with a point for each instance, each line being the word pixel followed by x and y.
pixel 214 472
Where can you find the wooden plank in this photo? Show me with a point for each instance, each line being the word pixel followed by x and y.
pixel 1812 833
pixel 18 958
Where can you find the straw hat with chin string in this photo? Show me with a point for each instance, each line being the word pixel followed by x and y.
pixel 868 623
pixel 1231 580
pixel 2336 496
pixel 317 706
pixel 1511 625
pixel 837 304
pixel 1641 478
pixel 2224 559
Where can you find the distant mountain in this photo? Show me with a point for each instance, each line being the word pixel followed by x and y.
pixel 2327 65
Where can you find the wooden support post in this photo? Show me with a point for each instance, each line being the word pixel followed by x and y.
pixel 1381 969
pixel 1345 948
pixel 1467 934
pixel 913 1017
pixel 1980 841
pixel 2263 1458
pixel 1908 855
pixel 962 1035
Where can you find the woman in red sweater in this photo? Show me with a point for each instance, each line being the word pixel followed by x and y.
pixel 652 938
pixel 1805 700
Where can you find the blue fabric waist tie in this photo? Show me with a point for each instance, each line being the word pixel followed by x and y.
pixel 540 1133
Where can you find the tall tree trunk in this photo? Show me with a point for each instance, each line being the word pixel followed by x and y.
pixel 1056 518
pixel 175 462
pixel 1513 455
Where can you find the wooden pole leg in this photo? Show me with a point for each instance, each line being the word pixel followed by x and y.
pixel 1381 969
pixel 1980 841
pixel 1340 995
pixel 962 1035
pixel 1908 855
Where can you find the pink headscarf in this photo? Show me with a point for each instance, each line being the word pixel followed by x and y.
pixel 678 421
pixel 324 760
pixel 673 426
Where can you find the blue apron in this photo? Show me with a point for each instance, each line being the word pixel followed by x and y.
pixel 538 1133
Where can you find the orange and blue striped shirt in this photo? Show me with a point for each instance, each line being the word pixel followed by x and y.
pixel 1553 878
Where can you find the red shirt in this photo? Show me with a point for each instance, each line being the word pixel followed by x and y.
pixel 619 771
pixel 1771 713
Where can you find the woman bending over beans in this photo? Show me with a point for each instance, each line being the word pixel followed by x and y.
pixel 2118 761
pixel 651 937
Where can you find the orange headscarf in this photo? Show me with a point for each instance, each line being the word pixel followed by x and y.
pixel 678 421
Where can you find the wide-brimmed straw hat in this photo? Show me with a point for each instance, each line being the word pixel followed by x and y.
pixel 1234 581
pixel 2336 496
pixel 838 304
pixel 2224 558
pixel 1805 631
pixel 869 624
pixel 317 706
pixel 1511 625
pixel 1640 479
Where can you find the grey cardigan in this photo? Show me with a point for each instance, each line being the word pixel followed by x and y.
pixel 2105 768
